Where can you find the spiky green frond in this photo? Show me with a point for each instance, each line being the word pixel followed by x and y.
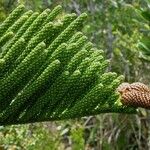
pixel 50 71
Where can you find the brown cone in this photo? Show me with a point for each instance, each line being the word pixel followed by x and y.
pixel 135 94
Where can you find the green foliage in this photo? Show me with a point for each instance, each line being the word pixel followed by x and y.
pixel 112 26
pixel 144 44
pixel 28 137
pixel 77 138
pixel 107 130
pixel 68 80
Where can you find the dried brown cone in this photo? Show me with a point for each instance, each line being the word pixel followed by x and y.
pixel 136 94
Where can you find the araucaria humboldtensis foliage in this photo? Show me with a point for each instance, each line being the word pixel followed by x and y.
pixel 49 70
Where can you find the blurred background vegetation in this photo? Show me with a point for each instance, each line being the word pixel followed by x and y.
pixel 122 29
